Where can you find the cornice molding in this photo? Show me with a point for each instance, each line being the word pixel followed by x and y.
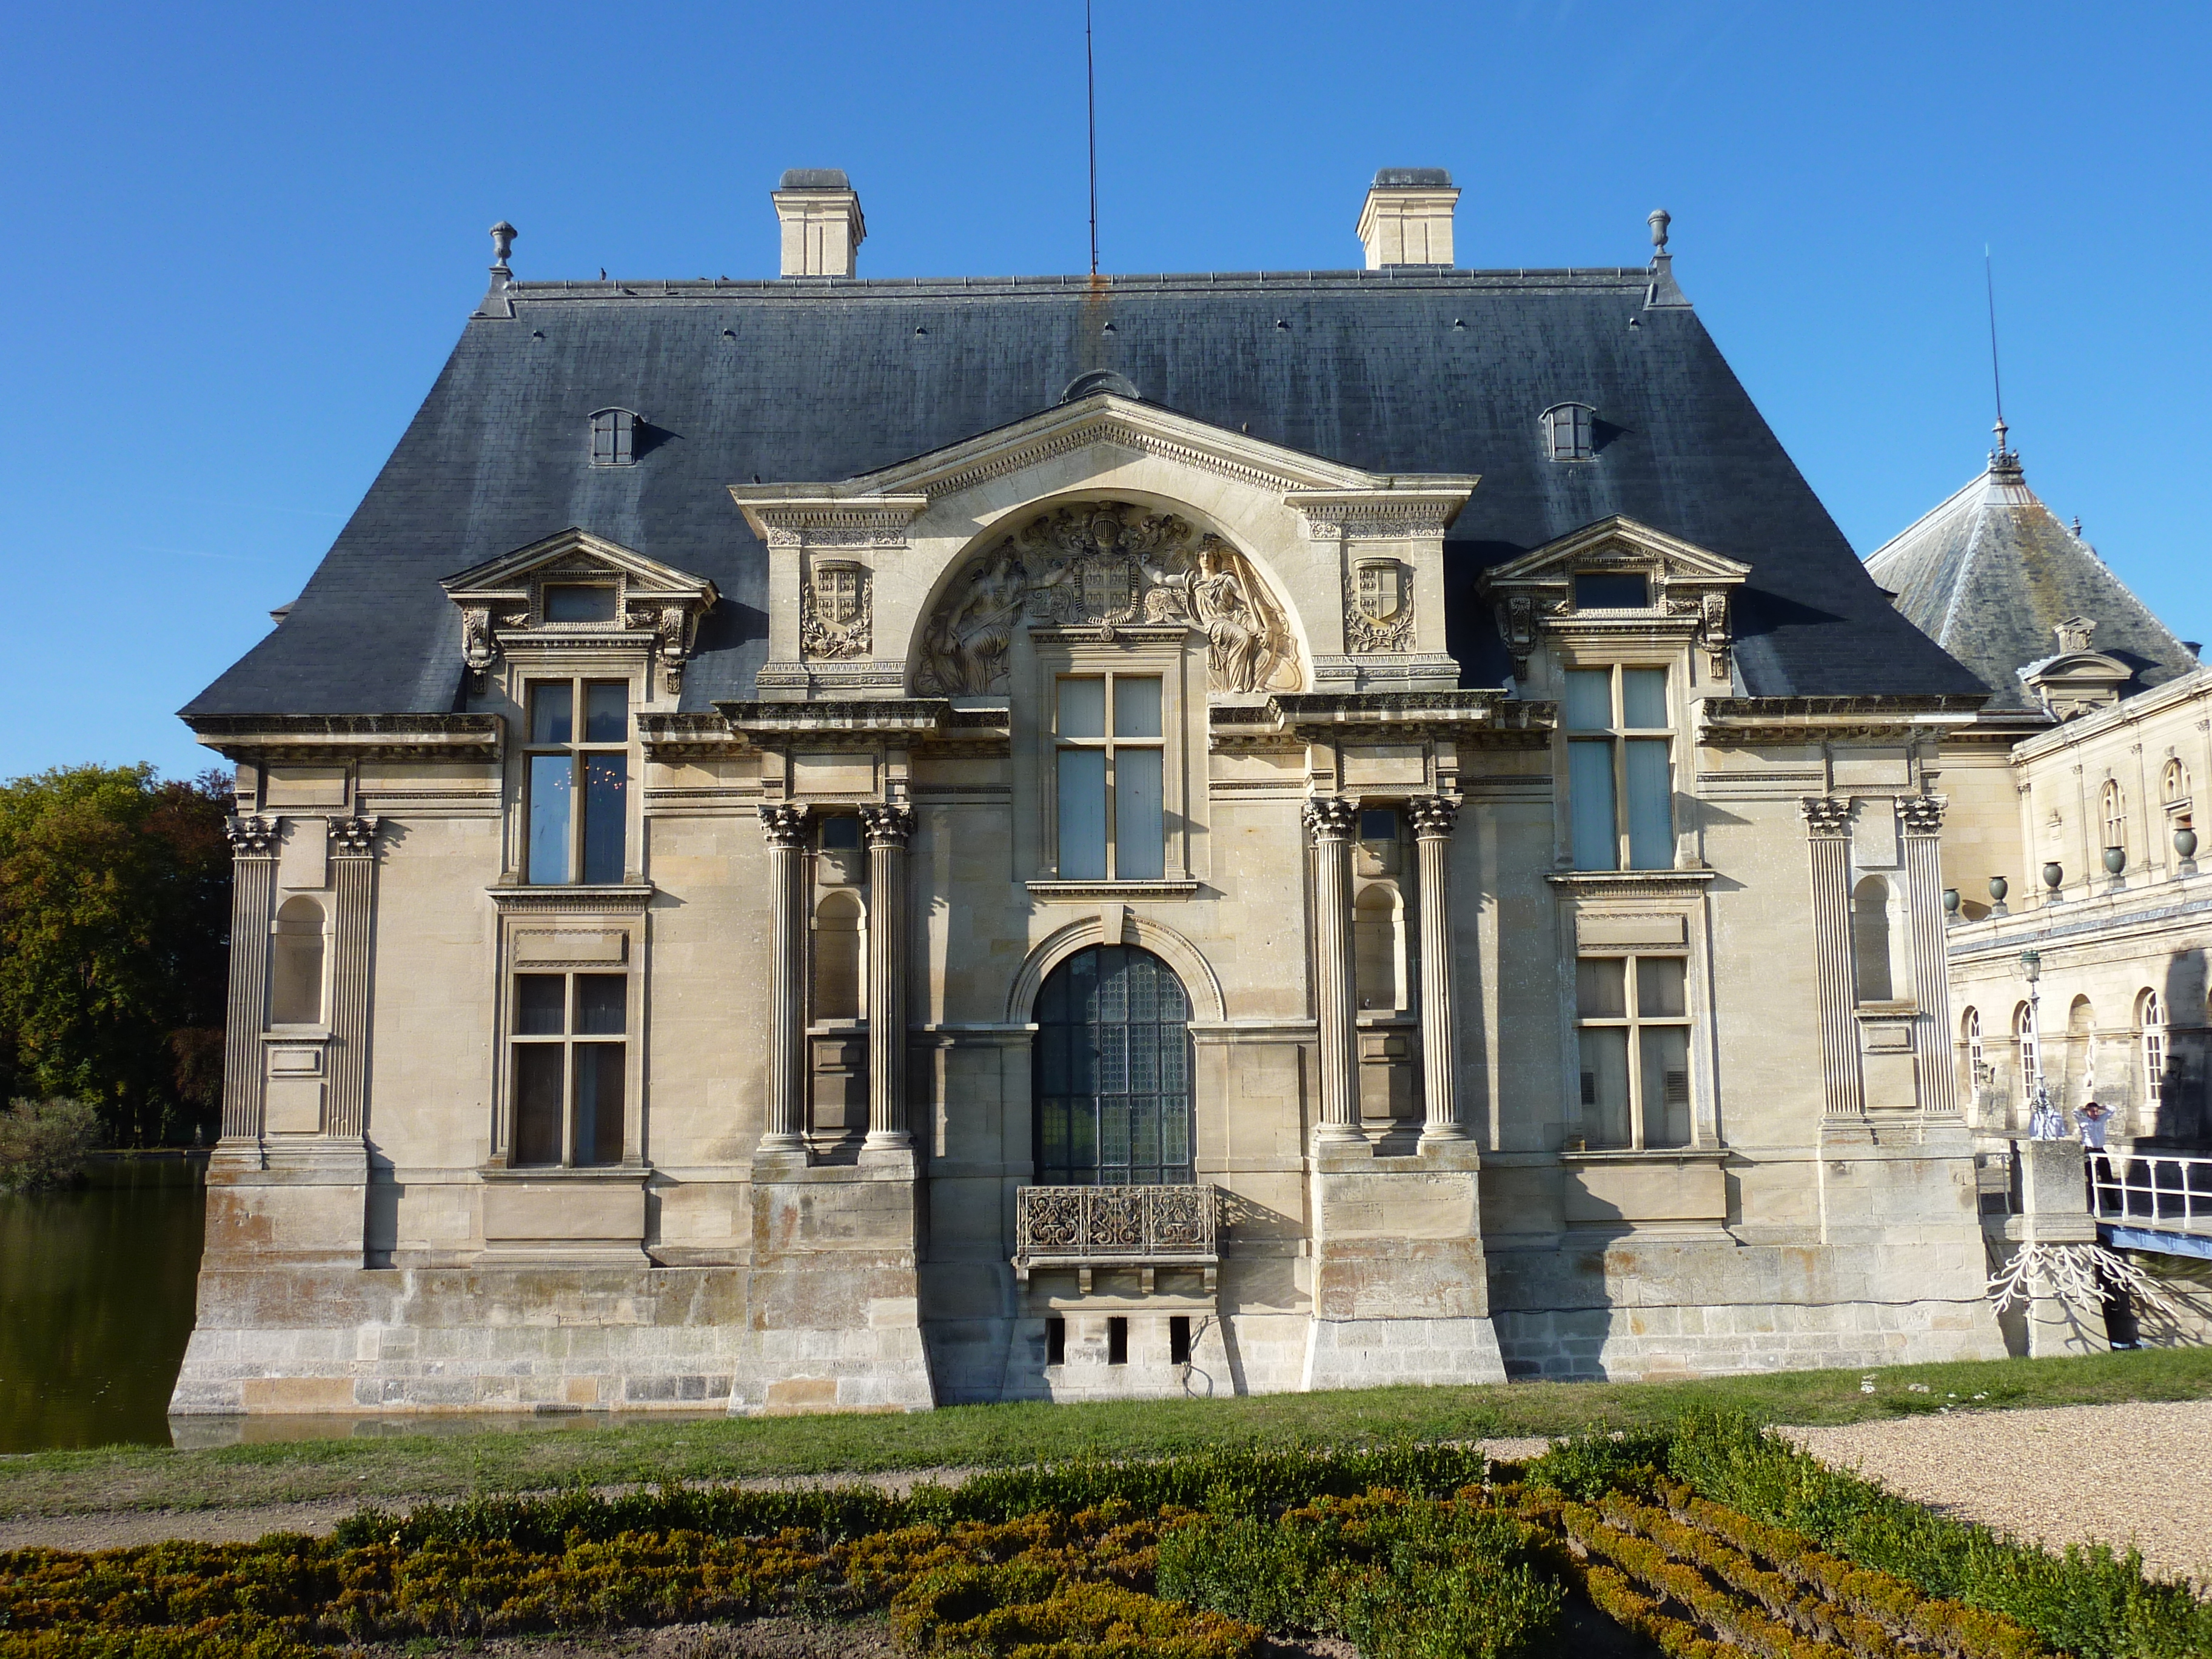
pixel 613 899
pixel 1739 722
pixel 1631 883
pixel 281 739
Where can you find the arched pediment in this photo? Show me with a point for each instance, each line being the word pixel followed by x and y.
pixel 1105 564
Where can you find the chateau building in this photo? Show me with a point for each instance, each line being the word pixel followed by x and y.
pixel 835 843
pixel 2082 925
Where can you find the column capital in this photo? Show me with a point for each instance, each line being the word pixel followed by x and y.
pixel 784 824
pixel 251 836
pixel 1433 816
pixel 1822 816
pixel 1332 818
pixel 888 825
pixel 355 838
pixel 1922 814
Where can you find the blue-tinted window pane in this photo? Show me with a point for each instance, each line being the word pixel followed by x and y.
pixel 602 1001
pixel 1136 707
pixel 1082 708
pixel 1590 805
pixel 1643 698
pixel 606 712
pixel 1651 805
pixel 552 781
pixel 1588 703
pixel 1140 829
pixel 605 783
pixel 552 711
pixel 1610 592
pixel 1082 813
pixel 841 831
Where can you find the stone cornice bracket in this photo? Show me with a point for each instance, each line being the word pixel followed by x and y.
pixel 1824 817
pixel 1689 591
pixel 886 826
pixel 1922 814
pixel 655 605
pixel 354 838
pixel 1414 507
pixel 251 837
pixel 826 515
pixel 1433 816
pixel 784 824
pixel 1332 818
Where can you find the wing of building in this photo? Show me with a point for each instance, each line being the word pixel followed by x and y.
pixel 837 843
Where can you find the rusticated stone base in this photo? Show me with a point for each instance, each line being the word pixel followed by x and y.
pixel 1368 1353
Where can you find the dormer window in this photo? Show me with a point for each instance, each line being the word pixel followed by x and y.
pixel 614 438
pixel 579 602
pixel 1613 591
pixel 1570 432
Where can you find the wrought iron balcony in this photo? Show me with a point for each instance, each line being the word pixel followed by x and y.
pixel 1142 1227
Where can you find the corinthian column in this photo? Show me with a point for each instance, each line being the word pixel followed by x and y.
pixel 1331 818
pixel 785 826
pixel 353 873
pixel 889 827
pixel 253 847
pixel 1828 824
pixel 1432 817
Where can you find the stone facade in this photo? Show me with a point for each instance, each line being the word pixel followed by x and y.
pixel 1109 946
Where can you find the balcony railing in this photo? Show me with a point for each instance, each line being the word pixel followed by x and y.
pixel 2151 1191
pixel 1142 1227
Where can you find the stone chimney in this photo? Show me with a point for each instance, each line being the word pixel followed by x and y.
pixel 1408 219
pixel 822 228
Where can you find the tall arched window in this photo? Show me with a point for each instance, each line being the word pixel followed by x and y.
pixel 2150 1015
pixel 1977 1064
pixel 838 957
pixel 295 964
pixel 1870 940
pixel 2114 805
pixel 1113 1072
pixel 2030 1042
pixel 1379 947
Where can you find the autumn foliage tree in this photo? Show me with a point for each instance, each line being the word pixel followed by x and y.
pixel 114 946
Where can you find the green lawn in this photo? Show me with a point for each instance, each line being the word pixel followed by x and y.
pixel 387 1466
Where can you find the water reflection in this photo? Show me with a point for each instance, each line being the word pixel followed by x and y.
pixel 96 1304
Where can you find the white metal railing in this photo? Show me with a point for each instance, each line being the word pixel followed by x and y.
pixel 1114 1227
pixel 2159 1192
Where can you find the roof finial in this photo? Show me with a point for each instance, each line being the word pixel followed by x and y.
pixel 2002 455
pixel 1659 220
pixel 503 244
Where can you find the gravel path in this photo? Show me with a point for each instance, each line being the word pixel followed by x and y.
pixel 2110 1474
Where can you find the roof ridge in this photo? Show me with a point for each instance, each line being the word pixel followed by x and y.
pixel 1932 515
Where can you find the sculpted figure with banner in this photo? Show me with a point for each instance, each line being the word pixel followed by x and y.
pixel 1104 564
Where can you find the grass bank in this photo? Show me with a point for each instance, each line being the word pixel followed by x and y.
pixel 386 1467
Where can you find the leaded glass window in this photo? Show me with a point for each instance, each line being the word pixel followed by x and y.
pixel 1113 1072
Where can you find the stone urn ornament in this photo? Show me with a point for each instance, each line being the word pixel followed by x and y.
pixel 2052 875
pixel 1998 888
pixel 1951 903
pixel 2116 860
pixel 2185 842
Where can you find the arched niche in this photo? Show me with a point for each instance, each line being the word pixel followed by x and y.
pixel 840 956
pixel 1098 561
pixel 296 964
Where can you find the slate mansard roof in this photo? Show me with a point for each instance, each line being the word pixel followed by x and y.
pixel 1990 573
pixel 1415 369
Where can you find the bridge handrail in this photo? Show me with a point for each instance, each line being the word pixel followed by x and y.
pixel 2166 1192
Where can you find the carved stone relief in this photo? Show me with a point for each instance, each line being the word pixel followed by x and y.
pixel 1378 607
pixel 1103 565
pixel 834 618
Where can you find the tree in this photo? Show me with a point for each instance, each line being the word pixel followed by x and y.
pixel 114 944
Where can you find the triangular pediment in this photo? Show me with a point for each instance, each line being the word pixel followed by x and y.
pixel 577 552
pixel 1618 543
pixel 905 489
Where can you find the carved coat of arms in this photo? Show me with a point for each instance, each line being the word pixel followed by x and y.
pixel 1104 564
pixel 1378 615
pixel 833 619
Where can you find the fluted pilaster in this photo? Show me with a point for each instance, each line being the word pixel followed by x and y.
pixel 1924 898
pixel 1828 824
pixel 254 847
pixel 353 874
pixel 889 828
pixel 1433 818
pixel 1331 820
pixel 785 829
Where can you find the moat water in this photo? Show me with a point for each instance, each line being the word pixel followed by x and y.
pixel 96 1304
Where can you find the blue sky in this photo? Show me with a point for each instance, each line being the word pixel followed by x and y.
pixel 240 240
